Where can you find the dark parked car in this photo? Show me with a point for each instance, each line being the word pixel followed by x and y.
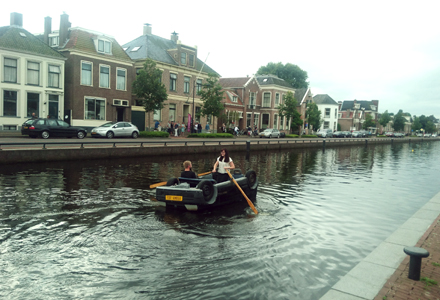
pixel 356 134
pixel 347 134
pixel 389 134
pixel 325 133
pixel 46 128
pixel 339 134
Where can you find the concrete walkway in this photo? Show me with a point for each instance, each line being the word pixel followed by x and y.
pixel 382 275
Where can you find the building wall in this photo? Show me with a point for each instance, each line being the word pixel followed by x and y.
pixel 23 88
pixel 76 93
pixel 332 119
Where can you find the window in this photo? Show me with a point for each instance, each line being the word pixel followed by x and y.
pixel 53 106
pixel 10 70
pixel 191 60
pixel 266 100
pixel 186 84
pixel 252 100
pixel 248 120
pixel 54 76
pixel 199 85
pixel 336 113
pixel 95 109
pixel 33 73
pixel 234 99
pixel 104 76
pixel 104 46
pixel 121 79
pixel 281 123
pixel 183 58
pixel 256 121
pixel 86 73
pixel 172 114
pixel 173 82
pixel 10 103
pixel 275 121
pixel 327 113
pixel 326 124
pixel 156 115
pixel 135 49
pixel 277 99
pixel 33 101
pixel 54 41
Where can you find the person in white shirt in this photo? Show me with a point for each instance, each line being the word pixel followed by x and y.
pixel 224 162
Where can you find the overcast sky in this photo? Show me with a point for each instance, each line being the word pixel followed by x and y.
pixel 365 50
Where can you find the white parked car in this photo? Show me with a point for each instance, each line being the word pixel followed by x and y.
pixel 270 133
pixel 325 133
pixel 119 129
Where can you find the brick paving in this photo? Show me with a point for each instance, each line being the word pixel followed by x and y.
pixel 400 287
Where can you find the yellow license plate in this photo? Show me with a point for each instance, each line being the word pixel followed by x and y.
pixel 173 198
pixel 25 127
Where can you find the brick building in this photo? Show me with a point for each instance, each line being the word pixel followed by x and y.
pixel 352 113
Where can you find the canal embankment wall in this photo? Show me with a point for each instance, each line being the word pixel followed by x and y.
pixel 65 152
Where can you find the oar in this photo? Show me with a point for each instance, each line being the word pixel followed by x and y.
pixel 164 182
pixel 247 199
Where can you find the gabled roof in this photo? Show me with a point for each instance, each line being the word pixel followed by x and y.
pixel 324 99
pixel 349 104
pixel 17 39
pixel 83 40
pixel 156 48
pixel 272 80
pixel 238 82
pixel 229 95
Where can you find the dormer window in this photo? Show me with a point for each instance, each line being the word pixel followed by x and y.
pixel 191 60
pixel 135 49
pixel 104 46
pixel 183 58
pixel 234 99
pixel 54 41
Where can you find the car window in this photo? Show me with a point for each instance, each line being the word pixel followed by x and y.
pixel 52 123
pixel 62 123
pixel 40 122
pixel 107 124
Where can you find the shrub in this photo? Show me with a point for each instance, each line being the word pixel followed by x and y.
pixel 292 136
pixel 152 134
pixel 309 136
pixel 210 135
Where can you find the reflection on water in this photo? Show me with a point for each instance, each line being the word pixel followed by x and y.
pixel 93 229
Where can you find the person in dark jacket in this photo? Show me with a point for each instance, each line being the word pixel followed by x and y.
pixel 188 173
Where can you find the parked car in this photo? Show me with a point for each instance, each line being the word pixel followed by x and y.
pixel 46 128
pixel 427 135
pixel 434 135
pixel 119 129
pixel 389 134
pixel 270 133
pixel 339 134
pixel 347 134
pixel 325 133
pixel 419 135
pixel 356 134
pixel 399 135
pixel 282 134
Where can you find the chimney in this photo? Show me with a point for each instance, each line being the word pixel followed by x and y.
pixel 174 37
pixel 47 29
pixel 64 28
pixel 16 19
pixel 147 28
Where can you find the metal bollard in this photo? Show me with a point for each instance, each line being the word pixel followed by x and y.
pixel 415 261
pixel 248 145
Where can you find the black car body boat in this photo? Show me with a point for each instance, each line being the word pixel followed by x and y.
pixel 205 192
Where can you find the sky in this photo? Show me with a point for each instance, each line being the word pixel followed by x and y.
pixel 365 50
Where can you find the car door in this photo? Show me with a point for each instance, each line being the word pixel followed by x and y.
pixel 118 129
pixel 53 127
pixel 65 129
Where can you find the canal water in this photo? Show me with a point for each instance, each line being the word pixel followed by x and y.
pixel 93 230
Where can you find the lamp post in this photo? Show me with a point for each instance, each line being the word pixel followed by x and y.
pixel 194 107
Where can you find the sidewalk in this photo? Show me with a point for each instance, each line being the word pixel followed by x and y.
pixel 399 286
pixel 383 274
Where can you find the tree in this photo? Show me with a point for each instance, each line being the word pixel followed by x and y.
pixel 313 116
pixel 212 96
pixel 149 88
pixel 385 118
pixel 430 127
pixel 369 122
pixel 288 109
pixel 416 125
pixel 291 73
pixel 399 121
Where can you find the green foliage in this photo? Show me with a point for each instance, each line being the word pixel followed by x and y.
pixel 230 118
pixel 369 122
pixel 385 118
pixel 309 136
pixel 430 127
pixel 210 135
pixel 152 134
pixel 149 89
pixel 288 109
pixel 291 73
pixel 313 116
pixel 428 281
pixel 416 125
pixel 399 121
pixel 292 136
pixel 339 127
pixel 212 96
pixel 435 264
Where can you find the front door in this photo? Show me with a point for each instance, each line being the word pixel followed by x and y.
pixel 120 114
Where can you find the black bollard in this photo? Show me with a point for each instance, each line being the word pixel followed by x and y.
pixel 323 143
pixel 366 142
pixel 415 261
pixel 248 145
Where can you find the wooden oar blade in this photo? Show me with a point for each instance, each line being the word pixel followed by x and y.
pixel 158 184
pixel 245 196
